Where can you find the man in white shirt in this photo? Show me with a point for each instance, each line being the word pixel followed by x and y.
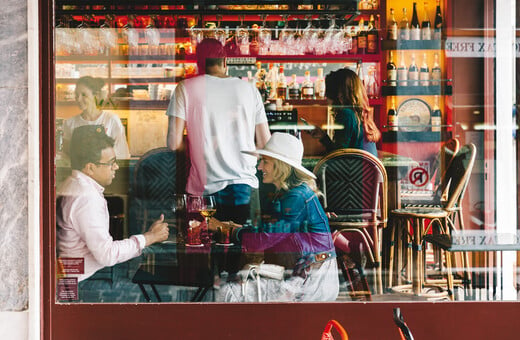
pixel 81 210
pixel 223 116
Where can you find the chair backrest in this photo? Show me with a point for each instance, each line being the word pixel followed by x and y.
pixel 158 175
pixel 457 176
pixel 353 181
pixel 443 159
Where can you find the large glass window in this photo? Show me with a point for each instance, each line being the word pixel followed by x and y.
pixel 404 190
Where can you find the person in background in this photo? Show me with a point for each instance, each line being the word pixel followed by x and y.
pixel 294 226
pixel 90 99
pixel 222 115
pixel 345 91
pixel 81 209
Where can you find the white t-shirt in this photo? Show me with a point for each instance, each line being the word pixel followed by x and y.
pixel 113 128
pixel 221 115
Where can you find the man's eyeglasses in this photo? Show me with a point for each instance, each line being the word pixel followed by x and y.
pixel 110 163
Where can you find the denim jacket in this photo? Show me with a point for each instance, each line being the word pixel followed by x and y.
pixel 298 225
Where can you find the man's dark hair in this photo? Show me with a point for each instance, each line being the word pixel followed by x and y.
pixel 86 145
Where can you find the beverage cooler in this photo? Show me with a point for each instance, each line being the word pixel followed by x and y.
pixel 286 48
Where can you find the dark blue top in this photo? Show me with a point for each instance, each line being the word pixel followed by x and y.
pixel 351 135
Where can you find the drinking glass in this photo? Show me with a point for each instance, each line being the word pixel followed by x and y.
pixel 204 205
pixel 179 211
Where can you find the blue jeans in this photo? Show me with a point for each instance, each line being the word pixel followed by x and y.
pixel 237 203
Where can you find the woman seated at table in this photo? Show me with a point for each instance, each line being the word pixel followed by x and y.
pixel 345 91
pixel 297 225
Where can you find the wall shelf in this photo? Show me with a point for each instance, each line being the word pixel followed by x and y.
pixel 412 44
pixel 417 90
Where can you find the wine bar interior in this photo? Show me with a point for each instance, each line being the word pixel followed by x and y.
pixel 204 164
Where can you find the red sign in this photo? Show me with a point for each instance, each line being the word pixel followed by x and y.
pixel 67 289
pixel 418 176
pixel 71 265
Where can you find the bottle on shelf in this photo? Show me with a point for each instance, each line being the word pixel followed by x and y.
pixel 319 85
pixel 372 85
pixel 426 29
pixel 436 71
pixel 436 119
pixel 360 73
pixel 392 26
pixel 424 72
pixel 365 5
pixel 413 73
pixel 391 123
pixel 362 38
pixel 307 86
pixel 391 71
pixel 250 78
pixel 260 80
pixel 354 48
pixel 415 30
pixel 271 82
pixel 281 87
pixel 404 27
pixel 372 36
pixel 294 88
pixel 437 25
pixel 402 72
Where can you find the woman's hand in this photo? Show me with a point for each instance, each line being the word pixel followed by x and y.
pixel 317 133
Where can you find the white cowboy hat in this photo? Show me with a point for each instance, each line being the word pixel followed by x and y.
pixel 286 148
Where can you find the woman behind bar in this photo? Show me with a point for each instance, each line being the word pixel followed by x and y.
pixel 90 98
pixel 345 91
pixel 296 228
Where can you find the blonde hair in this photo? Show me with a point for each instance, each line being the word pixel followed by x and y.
pixel 286 177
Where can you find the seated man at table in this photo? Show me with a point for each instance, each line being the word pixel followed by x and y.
pixel 81 209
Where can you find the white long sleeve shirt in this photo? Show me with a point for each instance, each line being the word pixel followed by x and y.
pixel 83 226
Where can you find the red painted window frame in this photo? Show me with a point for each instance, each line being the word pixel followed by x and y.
pixel 450 320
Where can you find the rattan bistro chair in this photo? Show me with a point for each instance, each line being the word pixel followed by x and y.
pixel 354 184
pixel 409 224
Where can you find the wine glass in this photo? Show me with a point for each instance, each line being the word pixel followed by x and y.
pixel 179 211
pixel 204 205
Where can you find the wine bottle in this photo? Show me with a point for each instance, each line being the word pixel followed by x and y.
pixel 426 30
pixel 413 73
pixel 402 72
pixel 415 30
pixel 391 71
pixel 437 25
pixel 404 27
pixel 392 26
pixel 354 49
pixel 436 71
pixel 362 37
pixel 372 36
pixel 391 122
pixel 436 118
pixel 424 72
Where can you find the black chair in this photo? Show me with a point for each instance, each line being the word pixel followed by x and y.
pixel 158 175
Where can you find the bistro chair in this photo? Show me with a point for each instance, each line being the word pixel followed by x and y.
pixel 354 186
pixel 158 175
pixel 409 225
pixel 439 166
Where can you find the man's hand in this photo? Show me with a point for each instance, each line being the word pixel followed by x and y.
pixel 158 232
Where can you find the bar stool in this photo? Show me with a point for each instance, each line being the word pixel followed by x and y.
pixel 412 224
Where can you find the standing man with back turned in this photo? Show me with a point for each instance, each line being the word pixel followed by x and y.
pixel 223 115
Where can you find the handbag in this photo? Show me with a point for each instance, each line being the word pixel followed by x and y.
pixel 327 332
pixel 256 272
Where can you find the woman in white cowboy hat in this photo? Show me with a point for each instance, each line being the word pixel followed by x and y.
pixel 297 226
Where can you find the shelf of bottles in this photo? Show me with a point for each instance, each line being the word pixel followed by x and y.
pixel 415 71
